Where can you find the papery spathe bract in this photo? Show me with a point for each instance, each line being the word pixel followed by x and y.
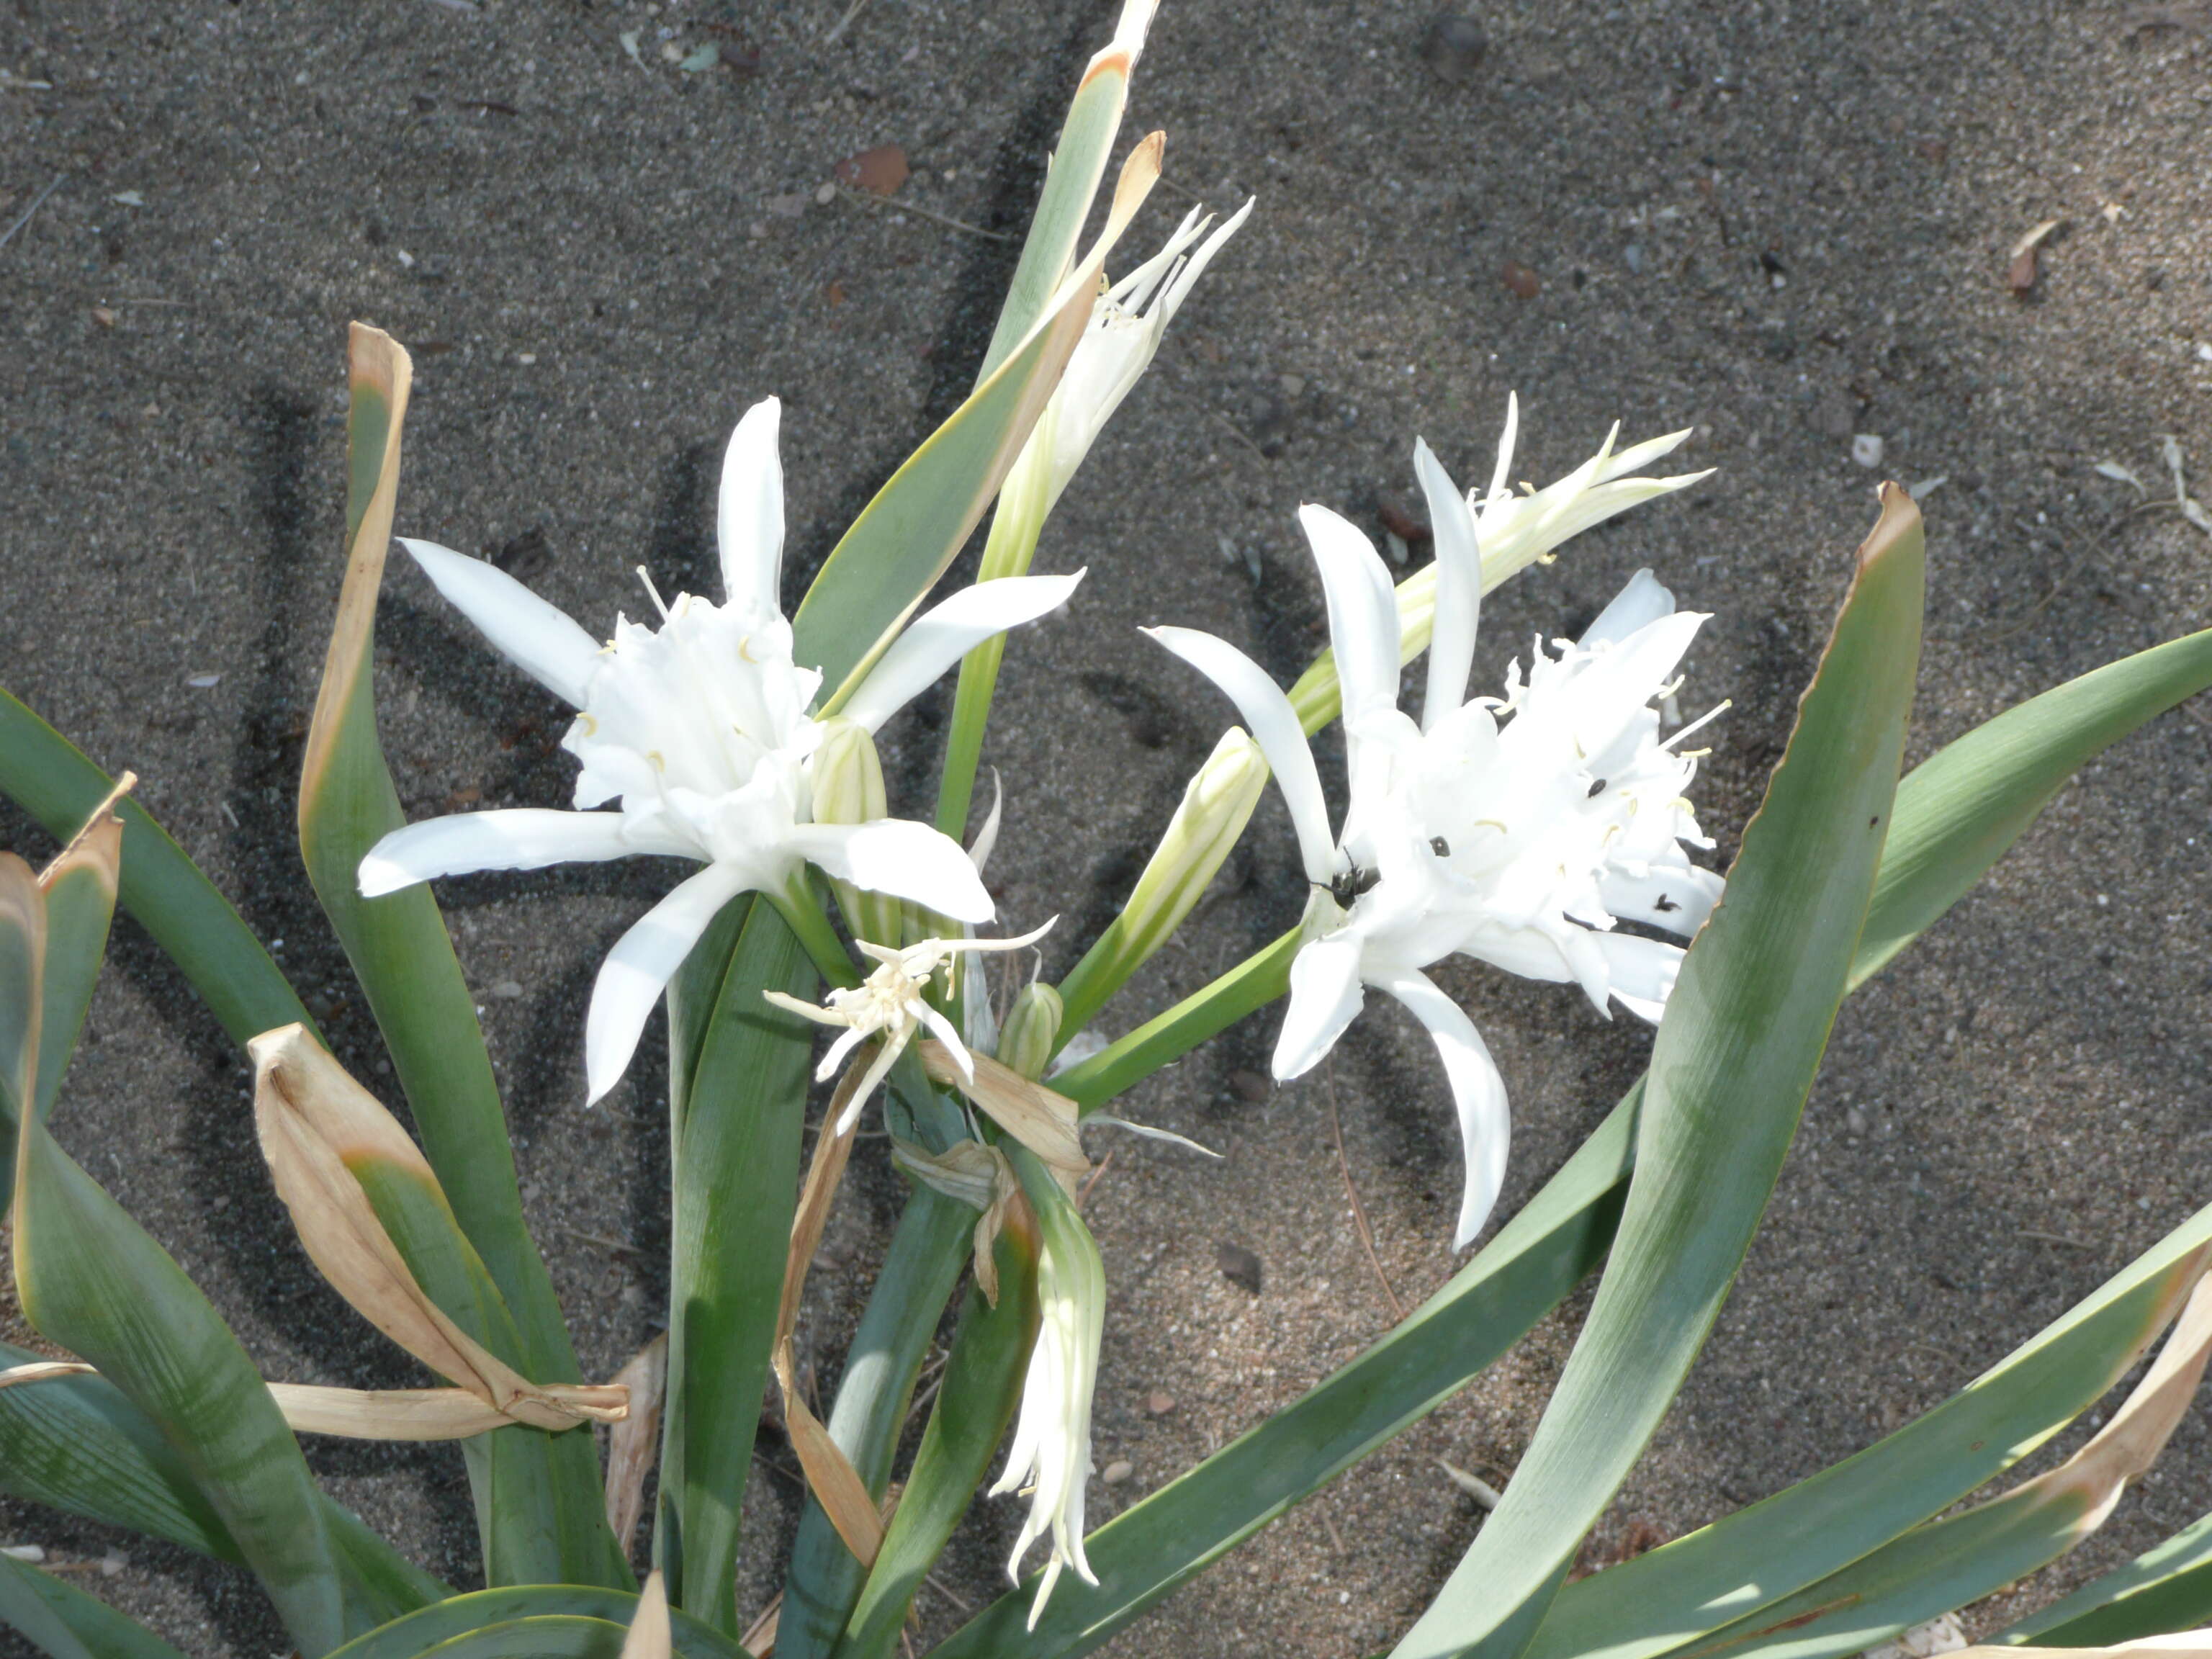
pixel 700 729
pixel 1520 831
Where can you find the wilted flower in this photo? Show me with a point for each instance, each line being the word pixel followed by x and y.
pixel 1050 1458
pixel 700 728
pixel 1522 843
pixel 892 1003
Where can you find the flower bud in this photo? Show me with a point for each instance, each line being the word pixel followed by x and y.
pixel 1216 807
pixel 848 779
pixel 1032 1028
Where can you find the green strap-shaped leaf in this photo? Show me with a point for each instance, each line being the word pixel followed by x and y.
pixel 735 1170
pixel 464 1616
pixel 1071 184
pixel 1971 801
pixel 1730 1068
pixel 896 1327
pixel 61 1619
pixel 405 960
pixel 982 1387
pixel 1740 1570
pixel 1146 1552
pixel 47 775
pixel 2165 1590
pixel 91 1280
pixel 75 1444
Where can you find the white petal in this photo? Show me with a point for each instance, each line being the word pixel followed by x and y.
pixel 1678 898
pixel 1282 739
pixel 1501 482
pixel 906 860
pixel 1485 1127
pixel 987 838
pixel 1641 972
pixel 520 838
pixel 641 965
pixel 537 637
pixel 749 525
pixel 1458 588
pixel 1642 602
pixel 941 635
pixel 1325 995
pixel 1363 609
pixel 1187 278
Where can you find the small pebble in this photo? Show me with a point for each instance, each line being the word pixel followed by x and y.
pixel 112 1564
pixel 1866 449
pixel 1856 1121
pixel 1239 1266
pixel 31 1552
pixel 103 316
pixel 1250 1085
pixel 1159 1403
pixel 1524 281
pixel 1454 47
pixel 825 194
pixel 1632 257
pixel 1118 1471
pixel 507 989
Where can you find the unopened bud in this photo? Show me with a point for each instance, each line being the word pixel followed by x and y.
pixel 1216 807
pixel 1032 1029
pixel 848 780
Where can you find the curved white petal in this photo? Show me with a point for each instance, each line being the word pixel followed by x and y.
pixel 1187 278
pixel 749 522
pixel 641 965
pixel 1640 972
pixel 1363 609
pixel 1326 995
pixel 1458 588
pixel 1282 739
pixel 906 860
pixel 1485 1127
pixel 987 838
pixel 538 638
pixel 520 838
pixel 1644 601
pixel 1501 484
pixel 943 634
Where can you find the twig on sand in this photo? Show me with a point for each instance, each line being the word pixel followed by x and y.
pixel 1358 1210
pixel 24 218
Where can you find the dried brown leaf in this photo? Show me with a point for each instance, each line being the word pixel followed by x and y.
pixel 425 1413
pixel 650 1637
pixel 1041 1120
pixel 43 1371
pixel 635 1442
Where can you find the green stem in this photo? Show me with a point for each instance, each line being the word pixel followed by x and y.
pixel 1015 528
pixel 923 1264
pixel 804 914
pixel 1251 984
pixel 983 1386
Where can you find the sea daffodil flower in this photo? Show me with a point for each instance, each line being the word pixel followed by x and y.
pixel 700 729
pixel 892 1003
pixel 1518 831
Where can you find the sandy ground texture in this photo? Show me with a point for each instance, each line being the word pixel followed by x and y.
pixel 1787 225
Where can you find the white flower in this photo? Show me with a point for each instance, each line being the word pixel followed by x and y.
pixel 700 729
pixel 1517 830
pixel 1050 1458
pixel 1118 343
pixel 892 1003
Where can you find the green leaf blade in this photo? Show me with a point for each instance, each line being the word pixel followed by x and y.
pixel 736 1179
pixel 63 1622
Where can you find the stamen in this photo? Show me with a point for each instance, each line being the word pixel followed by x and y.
pixel 1710 714
pixel 651 593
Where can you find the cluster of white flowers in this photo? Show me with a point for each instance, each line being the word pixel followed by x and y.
pixel 1520 830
